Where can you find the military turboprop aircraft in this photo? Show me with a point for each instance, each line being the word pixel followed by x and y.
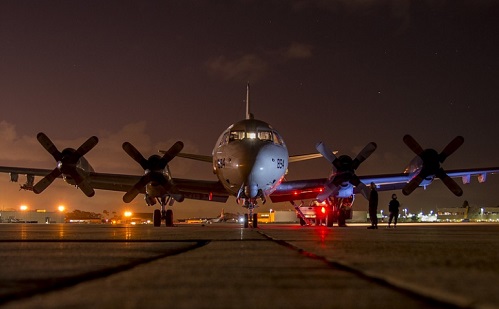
pixel 250 160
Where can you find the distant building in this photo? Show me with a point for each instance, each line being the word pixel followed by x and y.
pixel 37 216
pixel 471 213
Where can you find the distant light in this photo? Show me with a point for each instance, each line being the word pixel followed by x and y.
pixel 23 207
pixel 128 213
pixel 61 208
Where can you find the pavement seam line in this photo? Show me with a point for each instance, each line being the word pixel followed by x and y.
pixel 438 297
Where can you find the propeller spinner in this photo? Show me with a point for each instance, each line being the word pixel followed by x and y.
pixel 344 167
pixel 67 161
pixel 431 164
pixel 153 167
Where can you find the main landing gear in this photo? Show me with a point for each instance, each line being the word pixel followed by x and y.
pixel 163 214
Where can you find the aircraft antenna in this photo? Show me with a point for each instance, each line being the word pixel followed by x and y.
pixel 248 114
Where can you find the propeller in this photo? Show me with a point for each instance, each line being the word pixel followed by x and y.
pixel 153 167
pixel 67 161
pixel 344 168
pixel 431 164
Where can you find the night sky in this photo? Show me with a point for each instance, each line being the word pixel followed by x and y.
pixel 345 72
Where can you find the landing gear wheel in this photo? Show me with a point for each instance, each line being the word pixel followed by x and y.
pixel 156 218
pixel 255 221
pixel 169 218
pixel 246 223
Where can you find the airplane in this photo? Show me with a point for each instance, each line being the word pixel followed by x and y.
pixel 250 160
pixel 223 217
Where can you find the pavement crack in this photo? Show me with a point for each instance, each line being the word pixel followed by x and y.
pixel 43 286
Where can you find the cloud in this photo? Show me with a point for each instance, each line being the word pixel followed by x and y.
pixel 247 67
pixel 255 66
pixel 18 148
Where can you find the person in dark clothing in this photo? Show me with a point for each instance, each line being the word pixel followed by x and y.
pixel 393 208
pixel 373 207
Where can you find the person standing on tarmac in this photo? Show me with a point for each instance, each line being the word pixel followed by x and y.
pixel 393 208
pixel 373 207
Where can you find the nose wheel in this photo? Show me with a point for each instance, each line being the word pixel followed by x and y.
pixel 253 218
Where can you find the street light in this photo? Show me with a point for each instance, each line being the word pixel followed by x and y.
pixel 61 208
pixel 127 214
pixel 23 207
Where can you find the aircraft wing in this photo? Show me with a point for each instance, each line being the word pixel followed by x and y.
pixel 310 188
pixel 191 189
pixel 196 157
pixel 303 157
pixel 298 190
pixel 25 171
pixel 397 181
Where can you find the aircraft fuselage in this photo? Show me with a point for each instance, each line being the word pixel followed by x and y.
pixel 250 159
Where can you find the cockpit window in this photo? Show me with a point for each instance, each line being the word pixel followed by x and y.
pixel 225 139
pixel 277 139
pixel 265 136
pixel 236 135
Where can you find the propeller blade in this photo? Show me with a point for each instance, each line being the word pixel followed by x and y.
pixel 135 190
pixel 86 146
pixel 325 152
pixel 135 154
pixel 49 146
pixel 86 188
pixel 130 195
pixel 450 183
pixel 450 148
pixel 412 185
pixel 412 144
pixel 364 154
pixel 46 181
pixel 328 191
pixel 171 153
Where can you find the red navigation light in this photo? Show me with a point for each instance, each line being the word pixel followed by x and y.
pixel 295 192
pixel 323 209
pixel 210 197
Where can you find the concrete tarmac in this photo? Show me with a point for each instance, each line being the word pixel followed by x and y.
pixel 226 266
